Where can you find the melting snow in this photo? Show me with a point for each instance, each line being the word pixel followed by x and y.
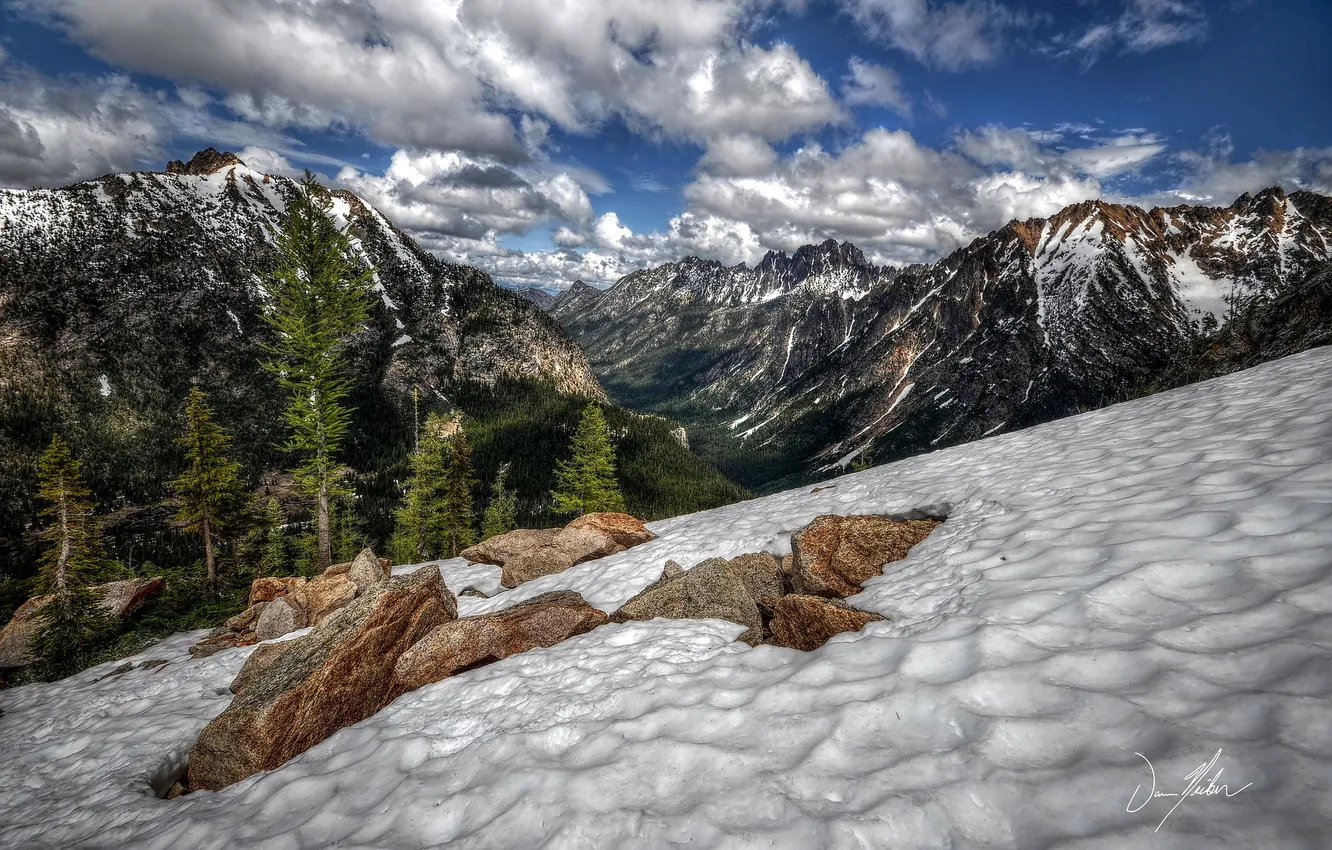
pixel 1152 578
pixel 104 386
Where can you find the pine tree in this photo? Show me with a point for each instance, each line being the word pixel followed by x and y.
pixel 213 501
pixel 417 528
pixel 320 299
pixel 863 461
pixel 457 516
pixel 502 513
pixel 273 560
pixel 73 621
pixel 586 483
pixel 348 533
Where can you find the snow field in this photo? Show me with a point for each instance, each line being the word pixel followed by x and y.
pixel 1154 578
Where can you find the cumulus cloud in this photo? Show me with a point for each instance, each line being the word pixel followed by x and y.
pixel 1212 176
pixel 867 84
pixel 951 36
pixel 453 75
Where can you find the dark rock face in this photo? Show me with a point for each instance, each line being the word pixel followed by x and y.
pixel 819 354
pixel 204 162
pixel 292 695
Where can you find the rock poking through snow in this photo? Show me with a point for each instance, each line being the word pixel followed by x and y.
pixel 338 674
pixel 834 555
pixel 624 529
pixel 471 642
pixel 569 546
pixel 366 571
pixel 807 622
pixel 711 590
pixel 324 594
pixel 278 618
pixel 500 548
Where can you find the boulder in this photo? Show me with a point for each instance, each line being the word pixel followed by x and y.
pixel 274 587
pixel 122 598
pixel 119 599
pixel 279 617
pixel 227 640
pixel 366 571
pixel 807 622
pixel 834 555
pixel 624 529
pixel 711 590
pixel 324 594
pixel 245 620
pixel 500 548
pixel 306 689
pixel 567 547
pixel 761 574
pixel 471 642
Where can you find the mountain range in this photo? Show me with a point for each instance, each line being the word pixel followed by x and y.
pixel 800 363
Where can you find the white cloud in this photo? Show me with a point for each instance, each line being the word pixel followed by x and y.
pixel 952 36
pixel 1212 177
pixel 459 75
pixel 867 84
pixel 1142 25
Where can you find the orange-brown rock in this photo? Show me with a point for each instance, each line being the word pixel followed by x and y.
pixel 807 622
pixel 500 548
pixel 324 594
pixel 246 619
pixel 274 587
pixel 624 529
pixel 338 674
pixel 834 555
pixel 118 598
pixel 567 547
pixel 471 642
pixel 227 640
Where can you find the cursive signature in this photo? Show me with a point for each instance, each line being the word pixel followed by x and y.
pixel 1194 788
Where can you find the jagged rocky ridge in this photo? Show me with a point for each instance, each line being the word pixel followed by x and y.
pixel 117 294
pixel 810 358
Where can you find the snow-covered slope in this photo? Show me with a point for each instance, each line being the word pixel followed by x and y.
pixel 1148 583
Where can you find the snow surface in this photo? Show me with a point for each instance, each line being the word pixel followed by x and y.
pixel 1154 578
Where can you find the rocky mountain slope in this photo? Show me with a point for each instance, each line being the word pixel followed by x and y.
pixel 809 359
pixel 118 294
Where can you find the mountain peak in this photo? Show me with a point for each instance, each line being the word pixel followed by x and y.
pixel 204 162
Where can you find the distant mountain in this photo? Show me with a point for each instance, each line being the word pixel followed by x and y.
pixel 118 294
pixel 578 298
pixel 808 359
pixel 539 297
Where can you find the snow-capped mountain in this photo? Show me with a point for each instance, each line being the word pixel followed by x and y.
pixel 578 297
pixel 817 355
pixel 1149 578
pixel 119 293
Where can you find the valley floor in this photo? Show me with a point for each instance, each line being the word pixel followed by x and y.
pixel 1132 590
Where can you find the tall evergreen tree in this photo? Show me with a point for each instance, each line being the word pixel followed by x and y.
pixel 213 501
pixel 457 517
pixel 586 483
pixel 73 620
pixel 320 299
pixel 273 558
pixel 502 513
pixel 417 534
pixel 348 533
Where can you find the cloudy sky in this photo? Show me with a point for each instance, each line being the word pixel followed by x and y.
pixel 551 140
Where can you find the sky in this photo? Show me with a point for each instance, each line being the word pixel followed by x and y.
pixel 552 141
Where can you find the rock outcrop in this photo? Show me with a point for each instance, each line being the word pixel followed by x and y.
pixel 118 598
pixel 711 590
pixel 306 689
pixel 529 553
pixel 470 642
pixel 807 622
pixel 834 555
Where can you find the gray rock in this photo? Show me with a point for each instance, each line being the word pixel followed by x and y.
pixel 278 618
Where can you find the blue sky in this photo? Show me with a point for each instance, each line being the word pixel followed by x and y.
pixel 568 139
